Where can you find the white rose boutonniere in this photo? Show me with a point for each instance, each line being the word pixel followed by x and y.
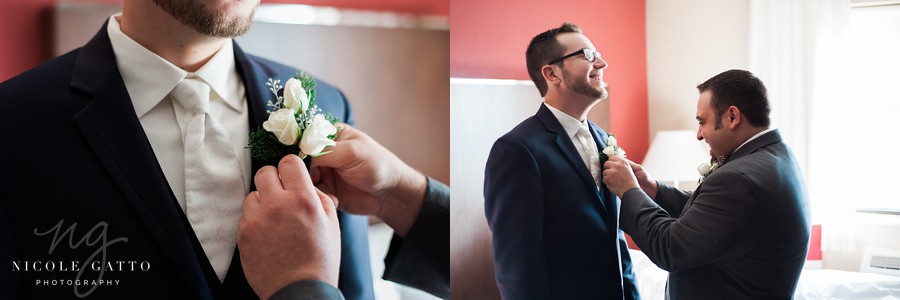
pixel 295 96
pixel 706 169
pixel 612 149
pixel 316 138
pixel 295 125
pixel 284 125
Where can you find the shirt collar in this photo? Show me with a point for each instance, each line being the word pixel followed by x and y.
pixel 149 77
pixel 570 124
pixel 752 138
pixel 221 75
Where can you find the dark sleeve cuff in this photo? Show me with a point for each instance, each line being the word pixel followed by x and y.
pixel 422 259
pixel 308 289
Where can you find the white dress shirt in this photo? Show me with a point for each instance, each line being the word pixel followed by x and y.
pixel 149 78
pixel 572 125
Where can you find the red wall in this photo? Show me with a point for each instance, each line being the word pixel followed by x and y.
pixel 488 40
pixel 25 31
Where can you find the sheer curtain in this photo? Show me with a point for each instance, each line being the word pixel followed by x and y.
pixel 796 49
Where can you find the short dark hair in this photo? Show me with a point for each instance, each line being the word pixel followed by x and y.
pixel 543 48
pixel 741 89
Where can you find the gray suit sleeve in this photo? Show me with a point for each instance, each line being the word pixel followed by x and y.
pixel 308 289
pixel 718 225
pixel 422 259
pixel 671 199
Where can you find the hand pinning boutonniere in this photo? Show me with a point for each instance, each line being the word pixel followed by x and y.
pixel 295 125
pixel 612 149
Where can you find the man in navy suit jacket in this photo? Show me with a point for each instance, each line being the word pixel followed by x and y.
pixel 81 184
pixel 555 229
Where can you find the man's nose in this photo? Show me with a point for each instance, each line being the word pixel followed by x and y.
pixel 600 63
pixel 699 134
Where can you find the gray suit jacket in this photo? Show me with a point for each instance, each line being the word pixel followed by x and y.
pixel 742 234
pixel 421 260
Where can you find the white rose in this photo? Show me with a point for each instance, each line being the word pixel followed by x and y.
pixel 611 140
pixel 703 169
pixel 295 96
pixel 706 169
pixel 609 151
pixel 283 124
pixel 614 150
pixel 315 137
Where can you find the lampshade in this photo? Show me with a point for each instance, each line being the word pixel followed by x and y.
pixel 674 156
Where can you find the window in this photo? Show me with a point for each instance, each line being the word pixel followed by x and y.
pixel 858 137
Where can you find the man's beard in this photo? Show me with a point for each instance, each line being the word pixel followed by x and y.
pixel 582 86
pixel 205 21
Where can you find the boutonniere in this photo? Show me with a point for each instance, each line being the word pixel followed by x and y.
pixel 705 169
pixel 295 125
pixel 612 149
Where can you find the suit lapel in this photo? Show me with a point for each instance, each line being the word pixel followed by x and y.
pixel 113 131
pixel 257 94
pixel 610 201
pixel 256 99
pixel 564 142
pixel 764 140
pixel 254 76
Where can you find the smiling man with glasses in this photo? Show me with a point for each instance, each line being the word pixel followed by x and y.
pixel 554 224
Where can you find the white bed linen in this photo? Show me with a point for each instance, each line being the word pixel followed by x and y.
pixel 814 284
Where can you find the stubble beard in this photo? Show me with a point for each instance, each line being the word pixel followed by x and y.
pixel 196 15
pixel 582 86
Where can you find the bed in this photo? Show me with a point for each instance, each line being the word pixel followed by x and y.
pixel 814 284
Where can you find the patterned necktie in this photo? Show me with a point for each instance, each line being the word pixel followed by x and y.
pixel 592 155
pixel 213 183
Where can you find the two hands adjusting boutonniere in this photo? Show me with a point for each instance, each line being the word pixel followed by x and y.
pixel 295 125
pixel 617 172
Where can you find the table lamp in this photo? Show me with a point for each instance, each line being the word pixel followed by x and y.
pixel 674 156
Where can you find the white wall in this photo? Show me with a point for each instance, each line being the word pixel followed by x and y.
pixel 480 112
pixel 688 42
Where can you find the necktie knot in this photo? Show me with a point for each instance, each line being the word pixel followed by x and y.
pixel 193 95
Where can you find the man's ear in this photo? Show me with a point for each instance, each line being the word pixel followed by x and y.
pixel 551 74
pixel 733 117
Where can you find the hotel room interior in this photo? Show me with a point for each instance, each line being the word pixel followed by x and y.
pixel 829 66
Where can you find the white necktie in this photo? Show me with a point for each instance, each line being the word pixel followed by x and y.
pixel 213 183
pixel 591 155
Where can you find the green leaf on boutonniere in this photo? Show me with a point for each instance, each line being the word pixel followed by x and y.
pixel 264 146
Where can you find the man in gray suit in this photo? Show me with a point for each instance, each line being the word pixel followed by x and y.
pixel 743 233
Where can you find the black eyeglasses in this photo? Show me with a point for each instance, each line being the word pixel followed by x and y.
pixel 589 55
